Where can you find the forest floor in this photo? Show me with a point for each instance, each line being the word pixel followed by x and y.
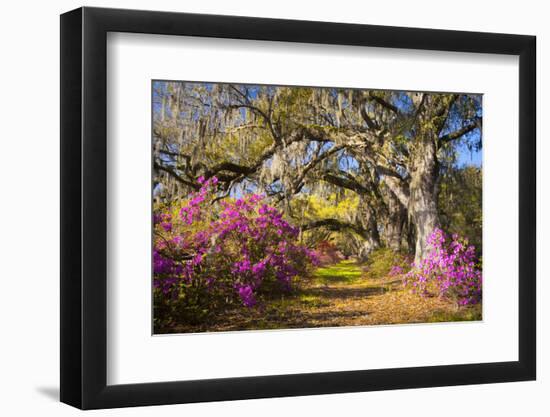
pixel 340 295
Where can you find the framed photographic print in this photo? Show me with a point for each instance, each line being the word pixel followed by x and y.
pixel 257 208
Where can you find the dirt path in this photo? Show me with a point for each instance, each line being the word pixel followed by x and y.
pixel 340 295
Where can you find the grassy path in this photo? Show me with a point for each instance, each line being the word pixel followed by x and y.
pixel 341 295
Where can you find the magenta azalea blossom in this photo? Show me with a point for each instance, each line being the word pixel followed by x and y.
pixel 230 249
pixel 449 271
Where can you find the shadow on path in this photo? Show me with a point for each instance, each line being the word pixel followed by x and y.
pixel 343 292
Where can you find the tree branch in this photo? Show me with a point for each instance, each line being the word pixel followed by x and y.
pixel 461 132
pixel 231 167
pixel 259 111
pixel 176 176
pixel 383 102
pixel 399 189
pixel 370 123
pixel 336 225
pixel 349 183
pixel 388 172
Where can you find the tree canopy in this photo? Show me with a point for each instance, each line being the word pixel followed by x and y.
pixel 368 168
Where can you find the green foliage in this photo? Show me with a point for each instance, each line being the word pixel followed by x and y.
pixel 384 261
pixel 470 313
pixel 189 306
pixel 460 204
pixel 341 206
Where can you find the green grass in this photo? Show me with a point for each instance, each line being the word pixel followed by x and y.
pixel 345 272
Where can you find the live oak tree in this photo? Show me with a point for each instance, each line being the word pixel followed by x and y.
pixel 388 148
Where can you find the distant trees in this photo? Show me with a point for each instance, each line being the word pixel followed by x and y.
pixel 393 153
pixel 460 203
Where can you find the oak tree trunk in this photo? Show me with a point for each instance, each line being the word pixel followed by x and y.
pixel 422 203
pixel 394 227
pixel 370 223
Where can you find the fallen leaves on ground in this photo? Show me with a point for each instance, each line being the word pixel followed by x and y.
pixel 340 295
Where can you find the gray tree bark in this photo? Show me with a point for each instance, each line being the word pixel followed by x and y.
pixel 395 222
pixel 422 201
pixel 370 223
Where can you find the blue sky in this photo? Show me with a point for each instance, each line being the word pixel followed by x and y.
pixel 467 157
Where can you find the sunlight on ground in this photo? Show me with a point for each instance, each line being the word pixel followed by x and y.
pixel 344 272
pixel 343 295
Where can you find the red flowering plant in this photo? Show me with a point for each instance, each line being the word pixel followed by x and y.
pixel 328 253
pixel 449 271
pixel 210 254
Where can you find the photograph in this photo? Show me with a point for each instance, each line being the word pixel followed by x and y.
pixel 280 207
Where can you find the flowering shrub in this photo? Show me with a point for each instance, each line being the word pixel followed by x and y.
pixel 207 254
pixel 327 253
pixel 448 271
pixel 395 271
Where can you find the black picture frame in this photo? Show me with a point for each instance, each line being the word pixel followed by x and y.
pixel 84 207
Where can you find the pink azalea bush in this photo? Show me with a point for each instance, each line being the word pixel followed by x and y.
pixel 209 254
pixel 449 271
